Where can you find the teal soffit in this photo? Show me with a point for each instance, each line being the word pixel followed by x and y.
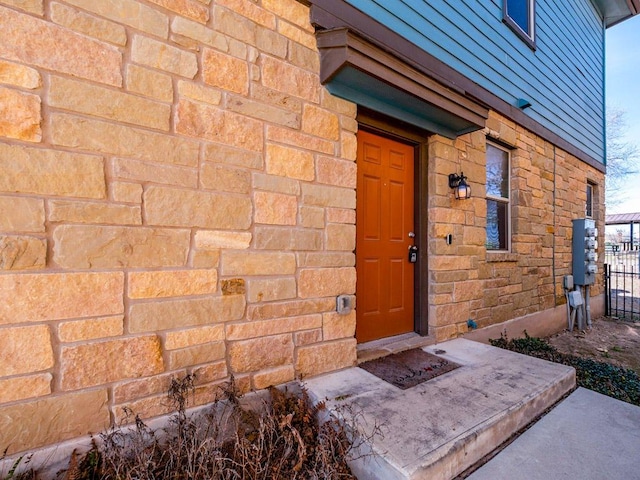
pixel 357 70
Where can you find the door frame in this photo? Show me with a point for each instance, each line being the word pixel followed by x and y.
pixel 397 130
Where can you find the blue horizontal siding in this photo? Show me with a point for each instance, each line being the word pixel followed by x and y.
pixel 563 78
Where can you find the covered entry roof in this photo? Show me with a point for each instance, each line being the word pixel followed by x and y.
pixel 358 70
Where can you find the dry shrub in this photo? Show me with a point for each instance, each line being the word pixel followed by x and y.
pixel 283 435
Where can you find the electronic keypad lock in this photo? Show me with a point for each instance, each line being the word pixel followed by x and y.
pixel 413 254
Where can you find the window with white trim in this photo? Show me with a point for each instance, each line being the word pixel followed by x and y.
pixel 498 198
pixel 520 16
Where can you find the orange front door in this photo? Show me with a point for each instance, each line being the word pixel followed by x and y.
pixel 384 222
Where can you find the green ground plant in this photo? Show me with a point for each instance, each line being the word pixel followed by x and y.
pixel 617 382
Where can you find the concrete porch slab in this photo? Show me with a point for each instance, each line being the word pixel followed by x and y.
pixel 439 428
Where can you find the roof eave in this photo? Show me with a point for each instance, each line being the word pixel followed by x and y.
pixel 617 11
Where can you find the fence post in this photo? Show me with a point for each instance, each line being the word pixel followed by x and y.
pixel 607 291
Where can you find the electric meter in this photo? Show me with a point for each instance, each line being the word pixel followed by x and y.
pixel 585 256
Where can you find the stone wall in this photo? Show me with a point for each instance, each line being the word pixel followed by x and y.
pixel 177 196
pixel 548 191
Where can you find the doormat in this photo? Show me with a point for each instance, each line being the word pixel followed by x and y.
pixel 409 368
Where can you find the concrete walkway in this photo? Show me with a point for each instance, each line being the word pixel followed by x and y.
pixel 588 436
pixel 439 428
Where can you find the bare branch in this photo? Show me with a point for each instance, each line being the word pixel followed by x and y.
pixel 623 156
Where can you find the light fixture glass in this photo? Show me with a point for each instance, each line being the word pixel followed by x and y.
pixel 459 185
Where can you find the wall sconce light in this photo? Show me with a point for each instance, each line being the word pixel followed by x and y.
pixel 460 187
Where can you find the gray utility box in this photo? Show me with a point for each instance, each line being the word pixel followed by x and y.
pixel 585 246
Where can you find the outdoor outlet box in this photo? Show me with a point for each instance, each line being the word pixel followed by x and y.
pixel 344 304
pixel 575 299
pixel 584 245
pixel 568 282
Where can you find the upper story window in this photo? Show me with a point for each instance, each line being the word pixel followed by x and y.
pixel 520 16
pixel 498 198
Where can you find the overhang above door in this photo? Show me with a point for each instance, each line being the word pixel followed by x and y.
pixel 354 68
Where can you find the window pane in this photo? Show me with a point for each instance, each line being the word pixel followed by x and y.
pixel 518 10
pixel 497 225
pixel 497 172
pixel 589 209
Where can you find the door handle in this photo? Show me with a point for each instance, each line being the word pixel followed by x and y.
pixel 413 254
pixel 412 235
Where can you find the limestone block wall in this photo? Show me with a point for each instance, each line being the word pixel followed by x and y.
pixel 177 195
pixel 548 191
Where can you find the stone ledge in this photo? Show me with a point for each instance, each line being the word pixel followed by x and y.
pixel 501 257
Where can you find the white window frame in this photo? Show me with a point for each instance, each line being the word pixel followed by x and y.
pixel 506 201
pixel 528 36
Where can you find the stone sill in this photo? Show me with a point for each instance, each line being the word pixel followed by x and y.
pixel 501 257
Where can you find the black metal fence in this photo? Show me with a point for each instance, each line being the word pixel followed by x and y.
pixel 622 285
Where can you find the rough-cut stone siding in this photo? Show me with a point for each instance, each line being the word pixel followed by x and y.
pixel 177 195
pixel 548 191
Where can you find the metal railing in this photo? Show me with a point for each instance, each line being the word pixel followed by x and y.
pixel 622 290
pixel 618 258
pixel 626 246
